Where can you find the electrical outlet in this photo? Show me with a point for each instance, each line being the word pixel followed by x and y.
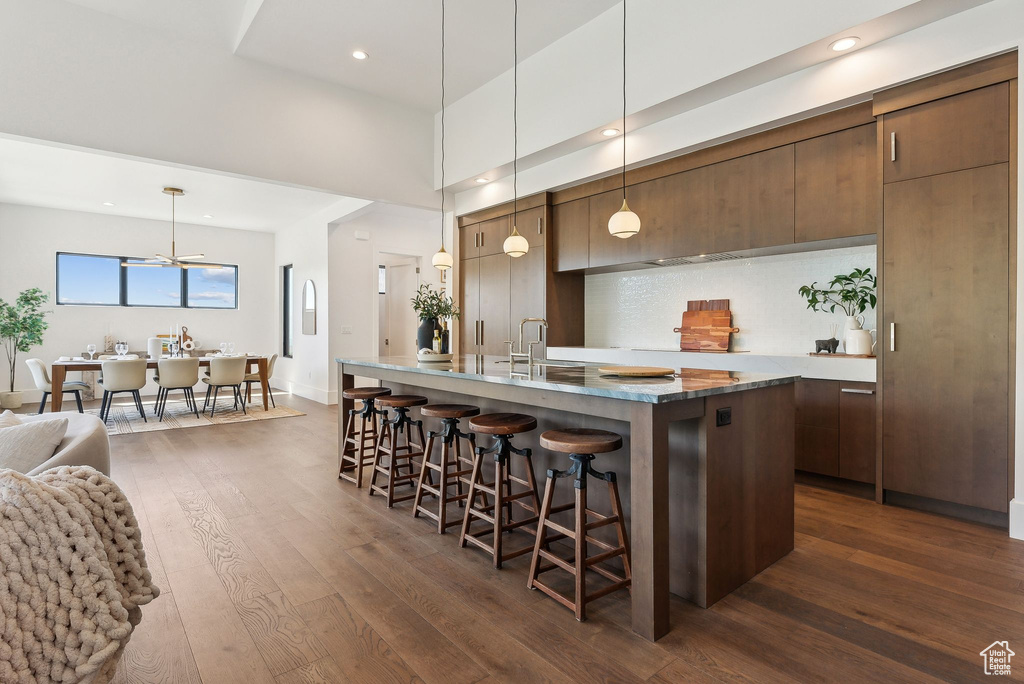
pixel 723 416
pixel 346 330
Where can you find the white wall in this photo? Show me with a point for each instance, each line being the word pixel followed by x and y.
pixel 81 77
pixel 639 309
pixel 304 246
pixel 353 268
pixel 30 237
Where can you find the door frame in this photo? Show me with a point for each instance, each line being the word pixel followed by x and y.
pixel 389 252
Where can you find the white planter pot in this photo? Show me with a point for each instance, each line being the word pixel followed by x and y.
pixel 10 400
pixel 852 336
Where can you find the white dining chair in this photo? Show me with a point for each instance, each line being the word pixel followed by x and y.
pixel 120 377
pixel 176 374
pixel 225 372
pixel 42 380
pixel 255 377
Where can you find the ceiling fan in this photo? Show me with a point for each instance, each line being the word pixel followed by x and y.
pixel 174 261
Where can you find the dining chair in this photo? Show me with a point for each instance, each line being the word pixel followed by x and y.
pixel 255 377
pixel 176 374
pixel 225 372
pixel 127 376
pixel 42 380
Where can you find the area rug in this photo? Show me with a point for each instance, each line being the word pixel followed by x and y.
pixel 124 417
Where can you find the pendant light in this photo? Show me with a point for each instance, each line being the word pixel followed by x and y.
pixel 515 245
pixel 174 260
pixel 442 260
pixel 624 223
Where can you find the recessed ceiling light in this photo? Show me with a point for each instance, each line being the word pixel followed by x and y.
pixel 481 180
pixel 360 54
pixel 108 204
pixel 609 132
pixel 844 43
pixel 207 215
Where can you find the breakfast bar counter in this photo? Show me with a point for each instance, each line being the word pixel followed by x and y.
pixel 706 465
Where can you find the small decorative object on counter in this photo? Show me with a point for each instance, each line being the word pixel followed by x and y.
pixel 706 326
pixel 431 307
pixel 444 336
pixel 853 294
pixel 830 345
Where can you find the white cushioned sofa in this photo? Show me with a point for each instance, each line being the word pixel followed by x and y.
pixel 84 443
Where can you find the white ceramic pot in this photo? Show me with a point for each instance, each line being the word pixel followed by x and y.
pixel 10 400
pixel 860 342
pixel 854 324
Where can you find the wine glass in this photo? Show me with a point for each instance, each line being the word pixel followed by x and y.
pixel 231 347
pixel 223 348
pixel 90 349
pixel 174 347
pixel 120 348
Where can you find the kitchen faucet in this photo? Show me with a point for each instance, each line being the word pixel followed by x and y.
pixel 520 355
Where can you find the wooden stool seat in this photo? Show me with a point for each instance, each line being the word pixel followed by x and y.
pixel 580 441
pixel 503 423
pixel 449 411
pixel 360 393
pixel 359 447
pixel 401 400
pixel 585 521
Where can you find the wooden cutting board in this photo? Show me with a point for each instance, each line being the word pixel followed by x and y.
pixel 636 371
pixel 706 326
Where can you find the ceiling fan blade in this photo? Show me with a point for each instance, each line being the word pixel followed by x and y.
pixel 202 266
pixel 161 257
pixel 189 257
pixel 145 264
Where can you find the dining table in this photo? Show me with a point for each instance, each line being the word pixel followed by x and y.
pixel 60 369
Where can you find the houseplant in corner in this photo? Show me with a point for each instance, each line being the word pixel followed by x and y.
pixel 853 293
pixel 21 328
pixel 431 306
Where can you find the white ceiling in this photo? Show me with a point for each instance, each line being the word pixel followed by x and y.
pixel 316 37
pixel 62 178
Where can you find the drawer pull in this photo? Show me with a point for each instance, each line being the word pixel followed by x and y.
pixel 850 390
pixel 892 336
pixel 540 226
pixel 892 146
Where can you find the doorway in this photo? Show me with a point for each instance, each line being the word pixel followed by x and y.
pixel 398 279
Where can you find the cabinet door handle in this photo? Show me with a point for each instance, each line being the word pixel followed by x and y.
pixel 476 332
pixel 481 333
pixel 476 239
pixel 540 225
pixel 850 390
pixel 892 146
pixel 892 336
pixel 481 239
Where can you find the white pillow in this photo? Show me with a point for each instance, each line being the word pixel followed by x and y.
pixel 25 446
pixel 8 419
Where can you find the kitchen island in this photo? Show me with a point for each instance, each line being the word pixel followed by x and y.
pixel 706 467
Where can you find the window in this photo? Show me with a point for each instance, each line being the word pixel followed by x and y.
pixel 152 286
pixel 288 282
pixel 213 288
pixel 89 279
pixel 382 279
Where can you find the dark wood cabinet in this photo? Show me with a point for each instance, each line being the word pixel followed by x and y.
pixel 857 411
pixel 605 248
pixel 959 132
pixel 571 226
pixel 469 305
pixel 492 235
pixel 676 212
pixel 494 303
pixel 946 373
pixel 835 429
pixel 752 201
pixel 838 193
pixel 530 224
pixel 469 241
pixel 527 296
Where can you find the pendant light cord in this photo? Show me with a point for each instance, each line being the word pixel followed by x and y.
pixel 173 254
pixel 442 124
pixel 515 112
pixel 623 100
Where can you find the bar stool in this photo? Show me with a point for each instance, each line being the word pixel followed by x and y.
pixel 449 435
pixel 503 426
pixel 581 444
pixel 359 449
pixel 398 456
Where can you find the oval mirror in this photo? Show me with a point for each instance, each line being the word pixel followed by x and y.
pixel 309 308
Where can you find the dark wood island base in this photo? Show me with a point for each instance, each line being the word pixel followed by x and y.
pixel 706 469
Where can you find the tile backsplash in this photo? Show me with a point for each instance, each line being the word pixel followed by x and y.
pixel 639 309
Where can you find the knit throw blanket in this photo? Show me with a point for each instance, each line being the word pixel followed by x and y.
pixel 72 576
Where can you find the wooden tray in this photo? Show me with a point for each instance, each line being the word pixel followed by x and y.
pixel 637 371
pixel 845 355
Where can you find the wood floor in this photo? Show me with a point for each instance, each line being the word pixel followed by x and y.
pixel 274 570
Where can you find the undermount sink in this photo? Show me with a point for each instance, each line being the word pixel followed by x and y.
pixel 548 364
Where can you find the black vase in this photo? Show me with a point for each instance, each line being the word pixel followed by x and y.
pixel 425 333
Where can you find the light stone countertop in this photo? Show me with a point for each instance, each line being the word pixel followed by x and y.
pixel 580 378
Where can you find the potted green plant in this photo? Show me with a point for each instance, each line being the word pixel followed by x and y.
pixel 21 327
pixel 431 306
pixel 853 293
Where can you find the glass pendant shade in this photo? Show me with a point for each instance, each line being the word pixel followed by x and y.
pixel 442 260
pixel 624 223
pixel 515 244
